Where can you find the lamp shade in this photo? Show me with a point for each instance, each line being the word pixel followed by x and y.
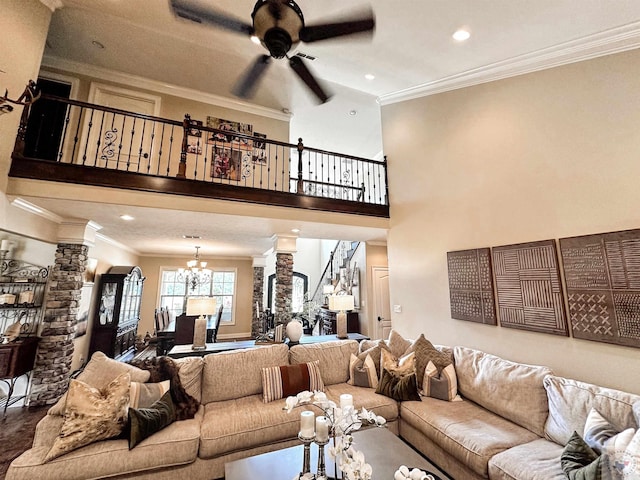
pixel 201 306
pixel 341 302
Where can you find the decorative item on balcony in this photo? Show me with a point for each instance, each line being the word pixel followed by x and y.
pixel 340 422
pixel 196 272
pixel 200 306
pixel 29 96
pixel 341 303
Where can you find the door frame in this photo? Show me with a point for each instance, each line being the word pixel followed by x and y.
pixel 376 328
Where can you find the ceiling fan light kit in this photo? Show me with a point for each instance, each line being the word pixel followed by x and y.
pixel 279 26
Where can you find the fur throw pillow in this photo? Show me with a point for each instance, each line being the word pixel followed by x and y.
pixel 164 368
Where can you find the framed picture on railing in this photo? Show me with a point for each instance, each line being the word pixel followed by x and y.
pixel 232 127
pixel 226 163
pixel 259 148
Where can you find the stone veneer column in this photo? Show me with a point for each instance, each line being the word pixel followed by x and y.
pixel 258 295
pixel 284 287
pixel 52 369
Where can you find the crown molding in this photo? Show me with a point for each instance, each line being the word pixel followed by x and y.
pixel 608 42
pixel 161 87
pixel 52 5
pixel 35 210
pixel 111 241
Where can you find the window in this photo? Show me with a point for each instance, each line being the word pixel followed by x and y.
pixel 174 291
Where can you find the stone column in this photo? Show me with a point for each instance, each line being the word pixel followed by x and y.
pixel 284 287
pixel 258 295
pixel 285 247
pixel 52 369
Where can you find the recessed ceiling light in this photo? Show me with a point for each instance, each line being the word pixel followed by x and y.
pixel 97 44
pixel 191 237
pixel 461 35
pixel 128 218
pixel 353 112
pixel 370 76
pixel 255 39
pixel 295 230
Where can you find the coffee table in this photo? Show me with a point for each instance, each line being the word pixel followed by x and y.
pixel 384 451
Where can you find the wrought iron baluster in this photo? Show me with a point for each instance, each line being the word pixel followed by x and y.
pixel 64 134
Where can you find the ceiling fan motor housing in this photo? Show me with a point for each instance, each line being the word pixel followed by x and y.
pixel 277 23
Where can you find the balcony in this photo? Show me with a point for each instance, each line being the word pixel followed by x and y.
pixel 80 143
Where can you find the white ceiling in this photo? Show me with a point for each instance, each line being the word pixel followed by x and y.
pixel 411 53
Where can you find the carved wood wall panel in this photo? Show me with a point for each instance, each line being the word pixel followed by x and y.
pixel 471 286
pixel 602 276
pixel 528 287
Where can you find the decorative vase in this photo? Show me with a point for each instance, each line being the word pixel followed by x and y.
pixel 294 331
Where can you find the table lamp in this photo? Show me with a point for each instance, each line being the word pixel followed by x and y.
pixel 341 303
pixel 327 290
pixel 200 306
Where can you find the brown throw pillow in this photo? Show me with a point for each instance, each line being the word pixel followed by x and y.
pixel 398 379
pixel 287 380
pixel 425 353
pixel 91 415
pixel 397 343
pixel 443 385
pixel 144 422
pixel 374 349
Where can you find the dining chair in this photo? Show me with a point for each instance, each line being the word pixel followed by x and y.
pixel 184 329
pixel 214 336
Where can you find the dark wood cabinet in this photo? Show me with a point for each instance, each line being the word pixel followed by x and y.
pixel 328 322
pixel 117 313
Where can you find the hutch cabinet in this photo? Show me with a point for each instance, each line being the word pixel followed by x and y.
pixel 117 312
pixel 22 294
pixel 327 320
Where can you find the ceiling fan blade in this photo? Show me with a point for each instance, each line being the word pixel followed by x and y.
pixel 307 77
pixel 363 24
pixel 246 86
pixel 199 14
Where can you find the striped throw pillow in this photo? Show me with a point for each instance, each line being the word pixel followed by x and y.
pixel 443 386
pixel 362 371
pixel 287 380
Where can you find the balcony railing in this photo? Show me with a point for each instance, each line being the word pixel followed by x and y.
pixel 77 142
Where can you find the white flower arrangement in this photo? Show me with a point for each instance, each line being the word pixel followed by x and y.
pixel 403 473
pixel 342 422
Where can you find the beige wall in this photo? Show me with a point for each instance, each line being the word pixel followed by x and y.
pixel 24 30
pixel 244 291
pixel 545 155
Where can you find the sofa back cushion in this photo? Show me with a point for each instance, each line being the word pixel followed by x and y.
pixel 190 373
pixel 238 373
pixel 333 357
pixel 570 402
pixel 514 391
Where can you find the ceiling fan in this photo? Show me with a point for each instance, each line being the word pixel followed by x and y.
pixel 279 26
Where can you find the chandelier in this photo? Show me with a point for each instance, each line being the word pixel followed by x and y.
pixel 196 272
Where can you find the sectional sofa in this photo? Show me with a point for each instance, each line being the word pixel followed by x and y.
pixel 512 423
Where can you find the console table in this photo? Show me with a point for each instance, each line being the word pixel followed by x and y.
pixel 181 351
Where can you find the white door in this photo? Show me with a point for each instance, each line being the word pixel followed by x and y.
pixel 381 302
pixel 116 141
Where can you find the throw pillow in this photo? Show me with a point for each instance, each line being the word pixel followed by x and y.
pixel 374 348
pixel 99 371
pixel 398 379
pixel 597 430
pixel 425 353
pixel 144 422
pixel 143 395
pixel 397 343
pixel 91 415
pixel 614 452
pixel 362 371
pixel 579 461
pixel 288 380
pixel 443 385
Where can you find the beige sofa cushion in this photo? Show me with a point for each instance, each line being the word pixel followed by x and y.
pixel 570 402
pixel 542 462
pixel 238 373
pixel 367 398
pixel 465 430
pixel 512 390
pixel 190 373
pixel 177 444
pixel 334 358
pixel 246 422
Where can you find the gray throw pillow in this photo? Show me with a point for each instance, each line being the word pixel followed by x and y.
pixel 144 422
pixel 579 461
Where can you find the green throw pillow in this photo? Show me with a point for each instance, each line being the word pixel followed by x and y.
pixel 579 461
pixel 144 422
